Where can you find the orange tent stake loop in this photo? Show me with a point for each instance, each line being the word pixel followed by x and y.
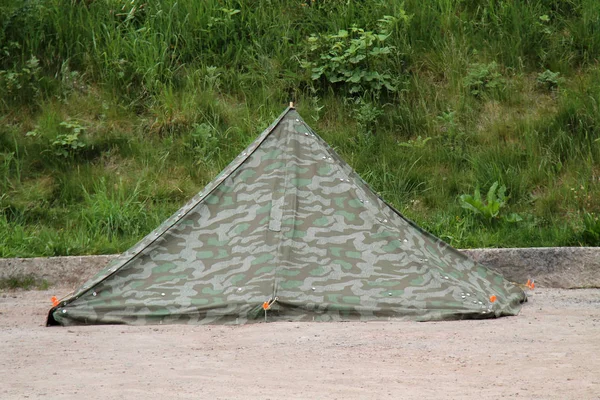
pixel 267 306
pixel 530 284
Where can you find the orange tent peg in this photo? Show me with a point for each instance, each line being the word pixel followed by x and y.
pixel 54 301
pixel 530 284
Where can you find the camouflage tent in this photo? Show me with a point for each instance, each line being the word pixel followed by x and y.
pixel 288 231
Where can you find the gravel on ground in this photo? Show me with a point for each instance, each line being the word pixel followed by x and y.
pixel 549 351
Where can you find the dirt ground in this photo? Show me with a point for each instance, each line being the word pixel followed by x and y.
pixel 550 351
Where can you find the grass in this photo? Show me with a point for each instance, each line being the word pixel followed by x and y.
pixel 114 113
pixel 25 282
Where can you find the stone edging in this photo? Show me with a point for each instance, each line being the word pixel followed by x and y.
pixel 554 267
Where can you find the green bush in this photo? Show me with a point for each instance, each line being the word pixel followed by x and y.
pixel 357 60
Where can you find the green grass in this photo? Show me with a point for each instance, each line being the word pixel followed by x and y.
pixel 114 113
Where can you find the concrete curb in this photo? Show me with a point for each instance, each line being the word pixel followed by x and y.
pixel 63 271
pixel 554 267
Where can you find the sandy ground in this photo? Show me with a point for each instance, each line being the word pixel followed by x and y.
pixel 550 351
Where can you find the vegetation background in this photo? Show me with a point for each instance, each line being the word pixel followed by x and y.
pixel 478 119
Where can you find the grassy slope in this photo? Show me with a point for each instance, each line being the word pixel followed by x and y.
pixel 114 113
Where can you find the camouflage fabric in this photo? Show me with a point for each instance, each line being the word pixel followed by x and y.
pixel 290 227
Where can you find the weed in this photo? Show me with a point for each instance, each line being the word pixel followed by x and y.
pixel 212 78
pixel 355 59
pixel 315 108
pixel 8 163
pixel 203 143
pixel 20 85
pixel 25 282
pixel 418 143
pixel 489 208
pixel 549 80
pixel 484 78
pixel 69 143
pixel 452 134
pixel 591 229
pixel 367 114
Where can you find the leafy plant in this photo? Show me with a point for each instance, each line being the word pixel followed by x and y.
pixel 419 142
pixel 21 84
pixel 203 142
pixel 356 59
pixel 225 19
pixel 544 24
pixel 212 80
pixel 452 134
pixel 316 108
pixel 483 78
pixel 366 115
pixel 69 143
pixel 489 208
pixel 549 80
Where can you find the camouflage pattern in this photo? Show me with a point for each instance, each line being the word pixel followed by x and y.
pixel 289 223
